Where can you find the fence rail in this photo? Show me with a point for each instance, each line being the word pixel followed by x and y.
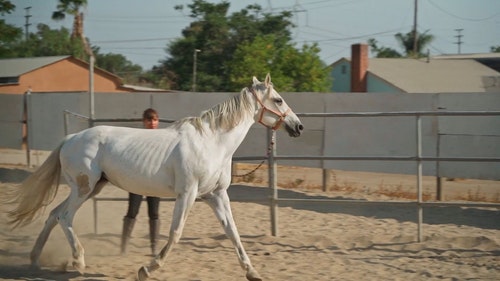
pixel 418 158
pixel 273 162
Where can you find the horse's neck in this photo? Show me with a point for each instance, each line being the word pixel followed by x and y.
pixel 230 140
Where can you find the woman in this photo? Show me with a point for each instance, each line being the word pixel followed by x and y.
pixel 150 120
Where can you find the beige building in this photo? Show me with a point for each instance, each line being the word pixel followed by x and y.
pixel 55 74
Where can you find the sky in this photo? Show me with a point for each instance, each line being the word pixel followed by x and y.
pixel 141 30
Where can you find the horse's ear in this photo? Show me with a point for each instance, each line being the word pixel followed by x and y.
pixel 268 80
pixel 255 81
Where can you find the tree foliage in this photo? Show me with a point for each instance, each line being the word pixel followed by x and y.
pixel 495 49
pixel 292 70
pixel 56 42
pixel 233 48
pixel 120 66
pixel 9 34
pixel 73 7
pixel 382 52
pixel 406 43
pixel 238 46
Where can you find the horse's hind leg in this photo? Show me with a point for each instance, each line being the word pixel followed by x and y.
pixel 80 192
pixel 44 234
pixel 66 223
pixel 182 206
pixel 81 189
pixel 219 202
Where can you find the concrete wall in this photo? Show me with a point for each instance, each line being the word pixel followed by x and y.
pixel 352 136
pixel 11 121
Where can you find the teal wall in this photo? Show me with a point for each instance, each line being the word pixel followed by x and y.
pixel 377 85
pixel 341 75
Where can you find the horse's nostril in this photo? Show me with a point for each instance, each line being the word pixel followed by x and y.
pixel 300 127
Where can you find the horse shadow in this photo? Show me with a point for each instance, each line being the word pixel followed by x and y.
pixel 13 175
pixel 476 217
pixel 26 272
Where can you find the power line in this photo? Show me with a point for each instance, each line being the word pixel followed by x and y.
pixel 459 17
pixel 358 36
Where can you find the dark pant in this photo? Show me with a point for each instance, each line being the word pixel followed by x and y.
pixel 134 202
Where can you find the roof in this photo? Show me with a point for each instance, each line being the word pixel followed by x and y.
pixel 143 89
pixel 18 66
pixel 435 76
pixel 469 56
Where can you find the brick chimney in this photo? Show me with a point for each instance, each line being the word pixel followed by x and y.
pixel 359 66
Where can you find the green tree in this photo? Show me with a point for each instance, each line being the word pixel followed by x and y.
pixel 256 58
pixel 382 52
pixel 73 7
pixel 223 40
pixel 406 43
pixel 9 34
pixel 120 66
pixel 292 70
pixel 50 42
pixel 47 42
pixel 495 49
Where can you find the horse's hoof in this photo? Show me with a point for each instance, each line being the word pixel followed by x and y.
pixel 143 274
pixel 35 266
pixel 80 267
pixel 253 275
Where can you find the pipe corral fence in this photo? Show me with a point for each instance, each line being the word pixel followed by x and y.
pixel 273 159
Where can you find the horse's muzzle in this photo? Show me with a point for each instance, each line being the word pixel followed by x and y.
pixel 294 131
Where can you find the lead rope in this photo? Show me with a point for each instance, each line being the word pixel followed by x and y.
pixel 269 150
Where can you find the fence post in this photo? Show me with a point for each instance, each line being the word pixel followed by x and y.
pixel 27 123
pixel 439 183
pixel 95 214
pixel 419 175
pixel 271 138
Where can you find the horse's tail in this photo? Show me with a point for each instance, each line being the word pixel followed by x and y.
pixel 37 191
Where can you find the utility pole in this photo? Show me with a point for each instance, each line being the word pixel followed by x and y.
pixel 459 39
pixel 195 56
pixel 27 24
pixel 415 34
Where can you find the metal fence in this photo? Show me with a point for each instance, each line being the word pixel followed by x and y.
pixel 417 157
pixel 273 159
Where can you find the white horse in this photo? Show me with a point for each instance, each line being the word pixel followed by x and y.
pixel 190 159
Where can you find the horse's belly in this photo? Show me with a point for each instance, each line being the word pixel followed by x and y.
pixel 155 185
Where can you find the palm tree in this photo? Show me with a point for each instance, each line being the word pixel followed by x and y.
pixel 406 42
pixel 72 7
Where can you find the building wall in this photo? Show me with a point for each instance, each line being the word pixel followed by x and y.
pixel 341 74
pixel 377 85
pixel 63 76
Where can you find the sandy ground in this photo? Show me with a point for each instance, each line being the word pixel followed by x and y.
pixel 316 241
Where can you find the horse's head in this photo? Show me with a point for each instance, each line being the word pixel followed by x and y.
pixel 272 110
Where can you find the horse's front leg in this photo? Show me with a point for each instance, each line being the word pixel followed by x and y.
pixel 219 202
pixel 183 204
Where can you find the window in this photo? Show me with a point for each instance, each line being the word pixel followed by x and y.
pixel 9 80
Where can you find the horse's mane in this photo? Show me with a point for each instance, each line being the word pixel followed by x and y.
pixel 225 115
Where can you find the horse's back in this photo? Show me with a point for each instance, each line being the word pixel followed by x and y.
pixel 127 157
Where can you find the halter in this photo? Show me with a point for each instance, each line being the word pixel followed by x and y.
pixel 264 109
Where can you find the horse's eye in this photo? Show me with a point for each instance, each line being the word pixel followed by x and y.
pixel 279 101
